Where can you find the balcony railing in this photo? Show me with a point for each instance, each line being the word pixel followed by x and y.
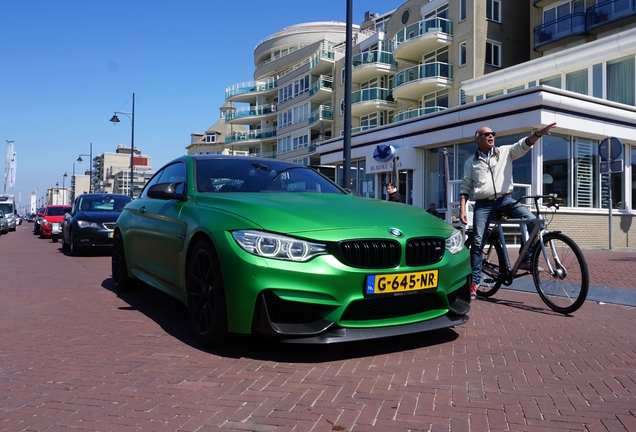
pixel 372 94
pixel 609 11
pixel 323 112
pixel 250 87
pixel 421 28
pixel 250 135
pixel 580 24
pixel 250 112
pixel 373 57
pixel 416 113
pixel 571 25
pixel 325 82
pixel 424 71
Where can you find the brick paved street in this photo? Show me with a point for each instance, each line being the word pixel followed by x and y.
pixel 76 355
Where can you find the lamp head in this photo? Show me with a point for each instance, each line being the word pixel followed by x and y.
pixel 114 120
pixel 79 159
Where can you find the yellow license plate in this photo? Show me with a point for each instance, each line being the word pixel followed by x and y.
pixel 401 282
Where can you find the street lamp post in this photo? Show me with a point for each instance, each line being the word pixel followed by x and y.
pixel 114 120
pixel 57 193
pixel 90 168
pixel 64 188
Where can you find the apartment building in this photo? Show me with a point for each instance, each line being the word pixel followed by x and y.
pixel 286 111
pixel 111 171
pixel 212 141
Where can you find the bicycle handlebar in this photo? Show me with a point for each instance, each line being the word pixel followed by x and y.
pixel 551 203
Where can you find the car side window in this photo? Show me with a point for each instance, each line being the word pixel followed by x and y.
pixel 175 173
pixel 153 181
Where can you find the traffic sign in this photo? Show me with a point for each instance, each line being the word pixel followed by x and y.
pixel 610 148
pixel 611 167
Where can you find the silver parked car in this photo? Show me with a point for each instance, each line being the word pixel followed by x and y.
pixel 4 224
pixel 12 220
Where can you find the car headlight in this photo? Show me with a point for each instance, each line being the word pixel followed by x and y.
pixel 278 247
pixel 87 224
pixel 45 222
pixel 455 243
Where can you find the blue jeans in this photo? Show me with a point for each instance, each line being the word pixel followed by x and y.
pixel 484 212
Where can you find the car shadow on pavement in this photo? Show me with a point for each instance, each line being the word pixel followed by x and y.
pixel 172 317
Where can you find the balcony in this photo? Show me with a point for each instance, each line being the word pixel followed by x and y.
pixel 422 37
pixel 367 101
pixel 322 62
pixel 250 115
pixel 417 81
pixel 247 91
pixel 614 12
pixel 370 64
pixel 253 135
pixel 322 113
pixel 322 89
pixel 405 115
pixel 560 31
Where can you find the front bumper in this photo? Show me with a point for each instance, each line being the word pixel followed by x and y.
pixel 287 321
pixel 93 238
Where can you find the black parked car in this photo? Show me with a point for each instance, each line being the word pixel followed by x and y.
pixel 38 221
pixel 90 223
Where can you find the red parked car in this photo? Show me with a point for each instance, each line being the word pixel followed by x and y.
pixel 52 221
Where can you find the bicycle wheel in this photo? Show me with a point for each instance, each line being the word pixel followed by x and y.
pixel 565 288
pixel 493 254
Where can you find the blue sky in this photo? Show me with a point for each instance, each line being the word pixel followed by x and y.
pixel 66 66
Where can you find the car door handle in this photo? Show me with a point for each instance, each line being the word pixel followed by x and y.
pixel 142 210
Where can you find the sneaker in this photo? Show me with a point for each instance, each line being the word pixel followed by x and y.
pixel 473 292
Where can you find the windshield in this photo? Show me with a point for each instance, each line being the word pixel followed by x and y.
pixel 56 211
pixel 103 203
pixel 232 175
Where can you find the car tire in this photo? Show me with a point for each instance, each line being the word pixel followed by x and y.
pixel 65 245
pixel 75 251
pixel 118 265
pixel 206 295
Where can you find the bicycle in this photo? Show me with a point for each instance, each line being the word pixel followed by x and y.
pixel 558 267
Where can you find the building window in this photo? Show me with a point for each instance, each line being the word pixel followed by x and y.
pixel 553 81
pixel 210 138
pixel 493 10
pixel 493 53
pixel 620 80
pixel 342 107
pixel 577 81
pixel 462 53
pixel 462 10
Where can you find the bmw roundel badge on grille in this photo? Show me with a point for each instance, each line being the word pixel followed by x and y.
pixel 395 232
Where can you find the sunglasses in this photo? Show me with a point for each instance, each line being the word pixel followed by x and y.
pixel 488 134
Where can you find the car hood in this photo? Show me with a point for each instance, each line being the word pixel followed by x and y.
pixel 97 216
pixel 326 214
pixel 53 218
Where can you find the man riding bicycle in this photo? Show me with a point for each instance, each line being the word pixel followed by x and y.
pixel 489 175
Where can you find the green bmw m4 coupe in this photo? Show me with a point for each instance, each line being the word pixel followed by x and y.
pixel 266 247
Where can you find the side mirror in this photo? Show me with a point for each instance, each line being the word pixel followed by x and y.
pixel 166 191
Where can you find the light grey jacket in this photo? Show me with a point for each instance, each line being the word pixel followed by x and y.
pixel 488 181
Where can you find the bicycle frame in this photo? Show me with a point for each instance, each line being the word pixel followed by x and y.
pixel 537 232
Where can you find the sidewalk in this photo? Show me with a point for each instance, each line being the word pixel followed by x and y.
pixel 612 276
